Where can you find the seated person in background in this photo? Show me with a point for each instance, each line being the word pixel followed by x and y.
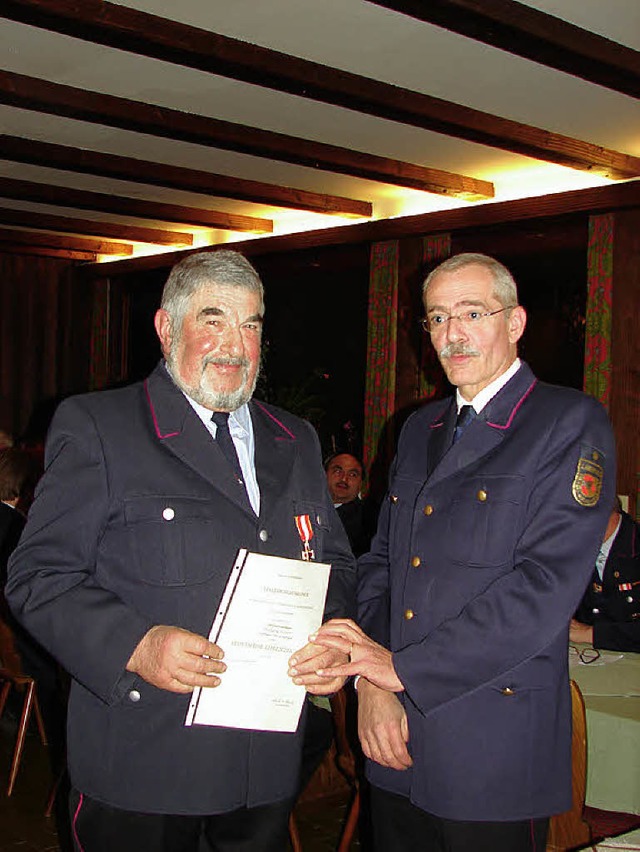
pixel 609 613
pixel 18 475
pixel 345 473
pixel 15 475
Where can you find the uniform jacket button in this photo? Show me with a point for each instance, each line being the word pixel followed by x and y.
pixel 416 561
pixel 134 695
pixel 507 691
pixel 263 535
pixel 168 514
pixel 428 509
pixel 482 495
pixel 408 614
pixel 393 498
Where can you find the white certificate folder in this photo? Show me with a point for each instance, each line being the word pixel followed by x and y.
pixel 269 607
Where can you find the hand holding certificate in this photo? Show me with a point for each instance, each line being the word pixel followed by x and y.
pixel 269 608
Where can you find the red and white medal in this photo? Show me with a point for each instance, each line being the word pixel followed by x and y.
pixel 305 531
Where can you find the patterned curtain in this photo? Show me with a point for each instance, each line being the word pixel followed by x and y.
pixel 597 359
pixel 436 248
pixel 380 385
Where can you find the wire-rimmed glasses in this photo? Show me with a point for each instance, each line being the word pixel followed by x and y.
pixel 438 322
pixel 585 655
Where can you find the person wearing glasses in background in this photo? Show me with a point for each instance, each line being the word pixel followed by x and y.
pixel 609 613
pixel 497 501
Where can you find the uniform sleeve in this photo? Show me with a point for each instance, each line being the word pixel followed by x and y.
pixel 341 594
pixel 617 636
pixel 374 580
pixel 52 586
pixel 527 608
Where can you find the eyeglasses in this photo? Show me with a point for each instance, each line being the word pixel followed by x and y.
pixel 438 322
pixel 585 655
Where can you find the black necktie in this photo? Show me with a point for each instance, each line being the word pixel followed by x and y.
pixel 225 442
pixel 466 414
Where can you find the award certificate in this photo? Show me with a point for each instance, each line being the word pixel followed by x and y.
pixel 269 607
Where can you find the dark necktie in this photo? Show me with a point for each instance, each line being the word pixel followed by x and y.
pixel 225 442
pixel 466 414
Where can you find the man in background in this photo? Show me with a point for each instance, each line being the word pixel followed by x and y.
pixel 345 475
pixel 609 613
pixel 498 498
pixel 149 492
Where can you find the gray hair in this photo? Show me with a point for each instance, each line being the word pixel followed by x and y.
pixel 504 286
pixel 202 269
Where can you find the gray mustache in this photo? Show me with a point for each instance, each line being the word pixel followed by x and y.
pixel 226 362
pixel 452 349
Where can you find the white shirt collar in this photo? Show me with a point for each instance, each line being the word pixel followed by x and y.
pixel 486 394
pixel 239 420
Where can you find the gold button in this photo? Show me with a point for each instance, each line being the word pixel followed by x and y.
pixel 393 498
pixel 507 691
pixel 428 509
pixel 408 614
pixel 616 574
pixel 481 495
pixel 416 561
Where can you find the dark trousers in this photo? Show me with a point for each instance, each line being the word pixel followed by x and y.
pixel 98 827
pixel 399 826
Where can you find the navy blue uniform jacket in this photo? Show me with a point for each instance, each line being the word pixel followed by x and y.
pixel 612 604
pixel 101 562
pixel 481 556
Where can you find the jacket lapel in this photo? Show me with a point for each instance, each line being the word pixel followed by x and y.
pixel 486 432
pixel 275 454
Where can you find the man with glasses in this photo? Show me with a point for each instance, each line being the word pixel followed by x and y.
pixel 497 501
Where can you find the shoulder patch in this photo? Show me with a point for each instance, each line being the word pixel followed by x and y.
pixel 587 483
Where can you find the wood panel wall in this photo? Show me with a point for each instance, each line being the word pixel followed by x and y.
pixel 43 338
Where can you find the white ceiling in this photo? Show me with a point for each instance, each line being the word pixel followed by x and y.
pixel 353 35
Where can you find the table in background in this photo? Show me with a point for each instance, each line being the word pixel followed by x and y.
pixel 611 690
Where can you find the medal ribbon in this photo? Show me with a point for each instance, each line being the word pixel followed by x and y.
pixel 305 531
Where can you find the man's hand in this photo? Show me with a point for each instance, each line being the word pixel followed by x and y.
pixel 368 658
pixel 579 632
pixel 305 663
pixel 382 726
pixel 176 660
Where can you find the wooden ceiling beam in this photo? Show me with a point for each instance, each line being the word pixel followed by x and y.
pixel 44 251
pixel 532 34
pixel 81 199
pixel 83 161
pixel 91 227
pixel 149 35
pixel 57 241
pixel 38 95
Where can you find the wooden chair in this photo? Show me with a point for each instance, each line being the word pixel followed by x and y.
pixel 12 675
pixel 347 762
pixel 570 830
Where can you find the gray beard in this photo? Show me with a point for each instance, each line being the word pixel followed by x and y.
pixel 214 400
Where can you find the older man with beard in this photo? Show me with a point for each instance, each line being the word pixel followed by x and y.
pixel 149 493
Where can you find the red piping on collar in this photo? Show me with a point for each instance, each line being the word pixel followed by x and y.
pixel 155 419
pixel 513 413
pixel 275 420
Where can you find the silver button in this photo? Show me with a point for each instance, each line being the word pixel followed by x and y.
pixel 629 599
pixel 263 535
pixel 134 695
pixel 168 514
pixel 595 610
